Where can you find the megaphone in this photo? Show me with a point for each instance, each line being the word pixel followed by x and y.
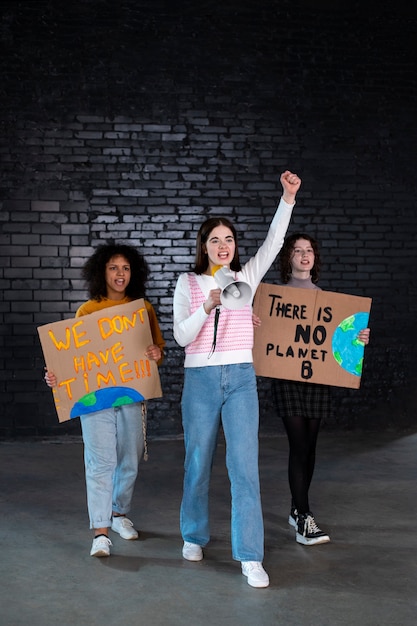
pixel 234 294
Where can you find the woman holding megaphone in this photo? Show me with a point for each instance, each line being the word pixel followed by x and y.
pixel 213 322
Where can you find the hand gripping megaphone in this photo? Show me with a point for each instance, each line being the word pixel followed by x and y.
pixel 234 294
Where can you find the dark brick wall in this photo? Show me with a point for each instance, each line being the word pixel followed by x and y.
pixel 133 120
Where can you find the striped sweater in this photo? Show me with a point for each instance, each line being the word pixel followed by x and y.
pixel 235 328
pixel 193 328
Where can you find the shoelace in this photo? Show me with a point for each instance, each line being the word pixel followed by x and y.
pixel 253 565
pixel 102 541
pixel 125 521
pixel 311 525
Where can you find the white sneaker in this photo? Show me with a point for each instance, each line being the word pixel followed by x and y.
pixel 124 526
pixel 192 551
pixel 101 546
pixel 255 573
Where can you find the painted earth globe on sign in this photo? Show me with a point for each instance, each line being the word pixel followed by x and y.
pixel 107 398
pixel 347 349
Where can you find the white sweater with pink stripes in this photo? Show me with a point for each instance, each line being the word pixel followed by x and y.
pixel 193 328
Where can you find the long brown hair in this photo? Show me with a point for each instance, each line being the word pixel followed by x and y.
pixel 286 254
pixel 201 261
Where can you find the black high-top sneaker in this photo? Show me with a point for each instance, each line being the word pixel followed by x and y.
pixel 308 533
pixel 292 518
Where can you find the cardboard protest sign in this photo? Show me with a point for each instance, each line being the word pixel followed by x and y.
pixel 99 360
pixel 310 335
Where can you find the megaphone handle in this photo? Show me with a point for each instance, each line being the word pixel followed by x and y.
pixel 216 323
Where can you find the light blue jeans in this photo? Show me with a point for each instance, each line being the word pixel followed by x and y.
pixel 113 444
pixel 227 393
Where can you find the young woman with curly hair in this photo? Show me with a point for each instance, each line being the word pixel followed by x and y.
pixel 114 438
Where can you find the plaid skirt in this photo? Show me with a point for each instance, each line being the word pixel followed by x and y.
pixel 302 399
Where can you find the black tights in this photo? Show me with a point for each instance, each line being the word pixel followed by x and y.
pixel 302 438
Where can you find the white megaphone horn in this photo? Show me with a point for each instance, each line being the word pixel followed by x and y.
pixel 234 294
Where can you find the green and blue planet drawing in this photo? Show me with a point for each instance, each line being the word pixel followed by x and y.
pixel 107 398
pixel 347 349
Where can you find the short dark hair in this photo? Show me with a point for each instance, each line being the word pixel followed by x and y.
pixel 94 270
pixel 201 262
pixel 287 250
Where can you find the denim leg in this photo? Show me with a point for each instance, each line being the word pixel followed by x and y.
pixel 130 443
pixel 240 419
pixel 201 405
pixel 113 443
pixel 99 436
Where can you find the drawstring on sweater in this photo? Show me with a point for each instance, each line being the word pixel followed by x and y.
pixel 144 420
pixel 216 323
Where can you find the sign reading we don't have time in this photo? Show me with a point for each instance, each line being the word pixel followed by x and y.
pixel 310 335
pixel 99 360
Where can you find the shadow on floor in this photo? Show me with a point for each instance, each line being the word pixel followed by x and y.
pixel 363 494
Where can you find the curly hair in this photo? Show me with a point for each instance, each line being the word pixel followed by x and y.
pixel 201 261
pixel 94 271
pixel 286 254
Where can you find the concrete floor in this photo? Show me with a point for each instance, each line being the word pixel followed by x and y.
pixel 364 495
